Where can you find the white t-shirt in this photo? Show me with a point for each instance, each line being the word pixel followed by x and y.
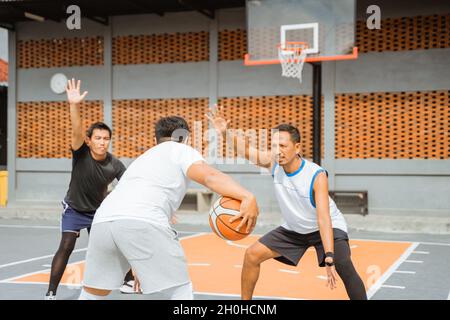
pixel 152 187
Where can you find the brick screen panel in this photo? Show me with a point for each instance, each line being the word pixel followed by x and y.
pixel 44 130
pixel 407 33
pixel 266 112
pixel 387 125
pixel 161 48
pixel 134 122
pixel 53 53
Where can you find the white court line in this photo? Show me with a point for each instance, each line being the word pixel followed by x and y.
pixel 12 280
pixel 199 264
pixel 192 235
pixel 322 277
pixel 20 226
pixel 50 256
pixel 413 261
pixel 378 284
pixel 421 252
pixel 231 243
pixel 77 286
pixel 238 296
pixel 405 272
pixel 35 259
pixel 405 241
pixel 435 244
pixel 74 251
pixel 392 287
pixel 288 271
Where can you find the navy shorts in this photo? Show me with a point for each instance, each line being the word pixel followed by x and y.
pixel 74 221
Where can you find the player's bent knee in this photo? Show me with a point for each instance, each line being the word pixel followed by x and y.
pixel 256 253
pixel 251 255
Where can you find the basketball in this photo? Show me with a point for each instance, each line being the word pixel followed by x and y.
pixel 220 214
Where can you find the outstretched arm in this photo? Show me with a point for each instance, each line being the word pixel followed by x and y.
pixel 224 185
pixel 74 98
pixel 218 120
pixel 325 225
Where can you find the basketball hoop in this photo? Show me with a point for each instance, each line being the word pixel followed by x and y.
pixel 292 56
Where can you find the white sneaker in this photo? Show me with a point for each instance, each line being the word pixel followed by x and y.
pixel 50 296
pixel 128 287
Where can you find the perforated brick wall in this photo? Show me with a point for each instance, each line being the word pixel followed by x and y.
pixel 407 33
pixel 403 125
pixel 44 130
pixel 51 53
pixel 134 121
pixel 161 48
pixel 267 112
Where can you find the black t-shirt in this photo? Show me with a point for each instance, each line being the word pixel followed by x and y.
pixel 90 179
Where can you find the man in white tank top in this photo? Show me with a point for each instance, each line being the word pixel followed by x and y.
pixel 310 216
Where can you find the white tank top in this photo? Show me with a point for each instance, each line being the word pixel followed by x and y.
pixel 294 192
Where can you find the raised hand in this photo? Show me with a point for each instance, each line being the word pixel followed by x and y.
pixel 217 118
pixel 73 92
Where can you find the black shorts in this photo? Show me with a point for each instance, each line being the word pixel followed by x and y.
pixel 292 245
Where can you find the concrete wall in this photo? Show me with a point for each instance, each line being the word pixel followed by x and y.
pixel 3 44
pixel 408 187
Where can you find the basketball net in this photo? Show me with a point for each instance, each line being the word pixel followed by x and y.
pixel 292 57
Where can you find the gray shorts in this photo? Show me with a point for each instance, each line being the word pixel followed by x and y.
pixel 153 252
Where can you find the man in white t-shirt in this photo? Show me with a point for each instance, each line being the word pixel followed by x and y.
pixel 132 226
pixel 310 216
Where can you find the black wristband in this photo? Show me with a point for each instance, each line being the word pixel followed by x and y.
pixel 329 254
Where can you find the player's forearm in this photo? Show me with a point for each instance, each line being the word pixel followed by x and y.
pixel 75 119
pixel 326 232
pixel 226 186
pixel 243 148
pixel 240 145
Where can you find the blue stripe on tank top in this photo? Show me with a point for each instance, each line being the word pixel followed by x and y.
pixel 298 170
pixel 273 169
pixel 311 199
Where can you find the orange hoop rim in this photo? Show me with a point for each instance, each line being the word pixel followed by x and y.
pixel 293 43
pixel 351 56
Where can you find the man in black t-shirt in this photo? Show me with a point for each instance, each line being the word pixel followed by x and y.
pixel 93 169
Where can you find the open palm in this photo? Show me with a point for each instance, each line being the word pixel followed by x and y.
pixel 73 92
pixel 215 115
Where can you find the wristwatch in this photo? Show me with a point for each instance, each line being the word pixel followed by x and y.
pixel 329 255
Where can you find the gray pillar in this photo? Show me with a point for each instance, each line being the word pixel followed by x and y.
pixel 213 60
pixel 328 90
pixel 213 80
pixel 12 121
pixel 108 76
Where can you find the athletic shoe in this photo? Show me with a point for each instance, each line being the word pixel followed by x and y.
pixel 127 287
pixel 50 296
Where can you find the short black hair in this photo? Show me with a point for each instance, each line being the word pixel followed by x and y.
pixel 292 130
pixel 173 127
pixel 98 125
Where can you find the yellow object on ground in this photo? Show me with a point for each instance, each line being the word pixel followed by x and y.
pixel 3 188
